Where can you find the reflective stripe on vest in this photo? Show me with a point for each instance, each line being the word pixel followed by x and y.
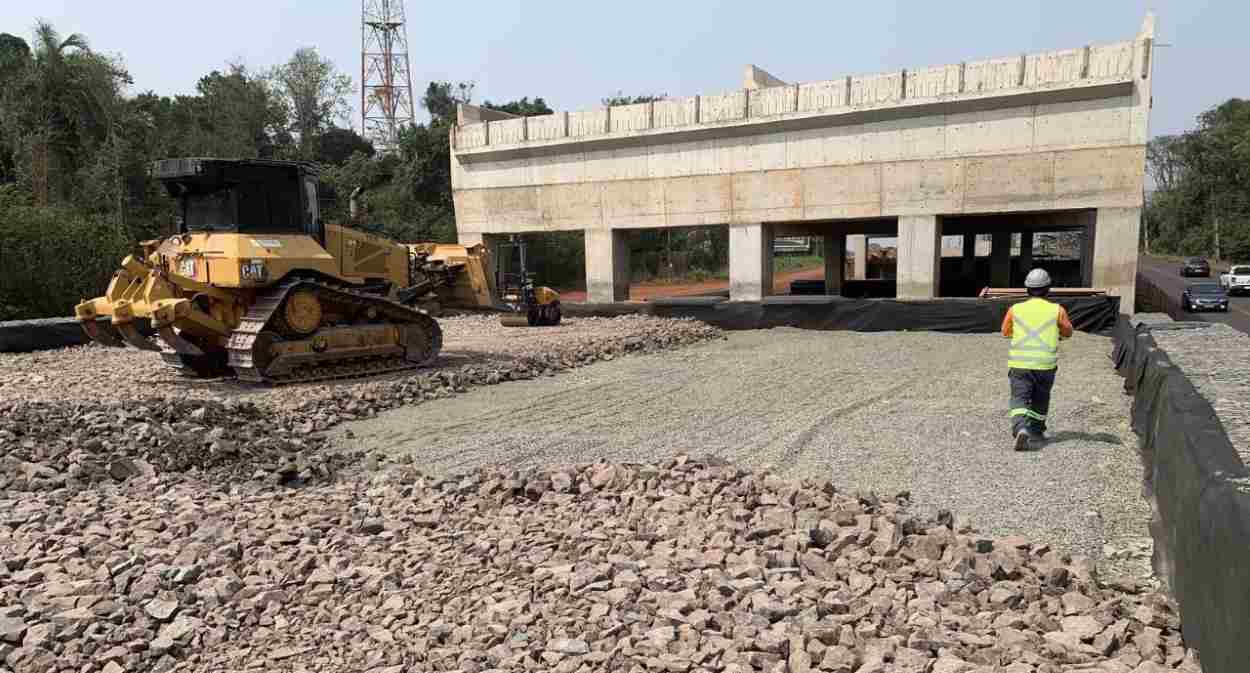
pixel 1034 335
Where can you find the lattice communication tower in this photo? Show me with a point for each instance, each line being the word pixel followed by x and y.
pixel 386 82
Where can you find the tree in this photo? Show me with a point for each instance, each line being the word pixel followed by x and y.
pixel 1163 161
pixel 238 115
pixel 62 107
pixel 14 59
pixel 522 108
pixel 14 55
pixel 315 95
pixel 339 145
pixel 1201 204
pixel 621 99
pixel 441 98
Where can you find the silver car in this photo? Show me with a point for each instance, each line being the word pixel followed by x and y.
pixel 1237 280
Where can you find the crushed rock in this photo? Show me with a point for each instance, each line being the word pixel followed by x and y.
pixel 680 566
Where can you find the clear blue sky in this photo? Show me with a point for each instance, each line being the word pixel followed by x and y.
pixel 573 53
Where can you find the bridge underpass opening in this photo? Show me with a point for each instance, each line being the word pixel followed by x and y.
pixel 858 258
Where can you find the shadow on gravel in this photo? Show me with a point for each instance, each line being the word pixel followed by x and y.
pixel 1097 437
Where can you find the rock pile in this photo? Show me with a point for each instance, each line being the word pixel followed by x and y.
pixel 49 446
pixel 685 566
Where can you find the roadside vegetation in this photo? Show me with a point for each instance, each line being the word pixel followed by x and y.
pixel 1200 203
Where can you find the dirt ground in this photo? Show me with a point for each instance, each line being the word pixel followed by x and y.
pixel 652 290
pixel 889 412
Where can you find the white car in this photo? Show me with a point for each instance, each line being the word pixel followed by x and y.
pixel 1237 280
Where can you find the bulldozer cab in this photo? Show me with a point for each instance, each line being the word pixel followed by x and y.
pixel 243 196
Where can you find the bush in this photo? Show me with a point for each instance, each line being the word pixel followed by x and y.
pixel 53 258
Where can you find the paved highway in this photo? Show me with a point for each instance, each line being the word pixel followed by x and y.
pixel 1166 276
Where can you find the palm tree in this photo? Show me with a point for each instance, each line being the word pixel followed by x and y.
pixel 66 99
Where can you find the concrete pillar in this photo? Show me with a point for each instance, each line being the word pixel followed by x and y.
pixel 1087 219
pixel 1000 259
pixel 750 261
pixel 970 256
pixel 919 256
pixel 1115 254
pixel 859 255
pixel 1026 251
pixel 835 263
pixel 607 265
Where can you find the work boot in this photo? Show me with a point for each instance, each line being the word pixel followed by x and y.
pixel 1022 440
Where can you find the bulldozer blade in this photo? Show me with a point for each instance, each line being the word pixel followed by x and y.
pixel 514 320
pixel 132 337
pixel 101 334
pixel 176 342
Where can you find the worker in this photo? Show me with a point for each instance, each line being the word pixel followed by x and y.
pixel 1035 327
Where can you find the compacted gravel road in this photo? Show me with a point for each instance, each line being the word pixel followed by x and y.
pixel 924 413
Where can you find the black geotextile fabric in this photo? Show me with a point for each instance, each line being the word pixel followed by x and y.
pixel 1201 489
pixel 24 336
pixel 1089 314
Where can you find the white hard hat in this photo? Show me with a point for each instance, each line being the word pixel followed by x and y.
pixel 1037 278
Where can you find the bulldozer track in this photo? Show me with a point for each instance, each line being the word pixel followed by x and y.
pixel 240 346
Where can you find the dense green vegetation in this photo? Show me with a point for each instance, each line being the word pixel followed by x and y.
pixel 1201 201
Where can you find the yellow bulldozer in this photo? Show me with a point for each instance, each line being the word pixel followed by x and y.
pixel 256 284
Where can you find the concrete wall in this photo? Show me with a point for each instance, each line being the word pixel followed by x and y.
pixel 809 176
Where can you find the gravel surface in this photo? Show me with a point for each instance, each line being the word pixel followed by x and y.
pixel 97 414
pixel 1216 359
pixel 677 567
pixel 923 413
pixel 96 373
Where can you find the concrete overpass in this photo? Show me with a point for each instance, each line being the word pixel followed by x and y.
pixel 1050 141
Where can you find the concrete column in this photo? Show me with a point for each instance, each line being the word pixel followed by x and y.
pixel 859 255
pixel 1087 219
pixel 919 256
pixel 750 261
pixel 970 256
pixel 607 265
pixel 1026 251
pixel 835 263
pixel 1115 253
pixel 1000 259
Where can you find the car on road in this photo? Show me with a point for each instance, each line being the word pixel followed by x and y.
pixel 1237 280
pixel 1204 297
pixel 1195 266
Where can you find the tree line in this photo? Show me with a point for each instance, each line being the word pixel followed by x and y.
pixel 76 146
pixel 1200 203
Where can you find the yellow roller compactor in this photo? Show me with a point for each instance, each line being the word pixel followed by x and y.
pixel 255 283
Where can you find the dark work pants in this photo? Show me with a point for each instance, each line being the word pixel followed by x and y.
pixel 1030 399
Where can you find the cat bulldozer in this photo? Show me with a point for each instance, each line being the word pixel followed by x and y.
pixel 255 284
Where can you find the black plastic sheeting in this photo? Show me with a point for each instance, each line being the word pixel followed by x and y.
pixel 1089 314
pixel 24 336
pixel 1201 491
